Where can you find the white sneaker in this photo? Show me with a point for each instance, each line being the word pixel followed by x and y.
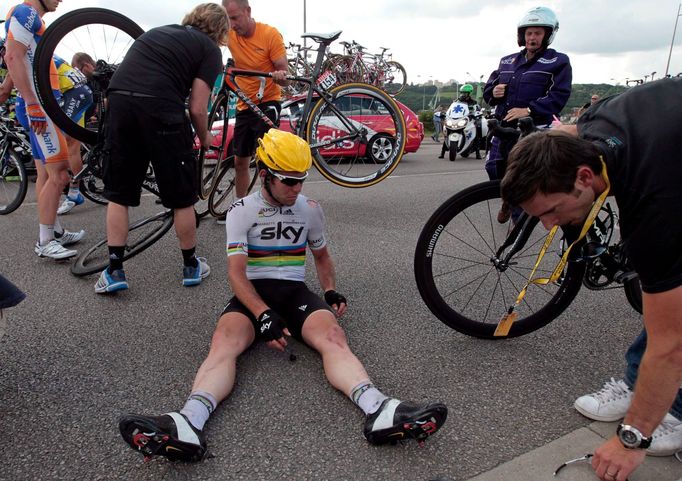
pixel 66 206
pixel 611 403
pixel 667 438
pixel 68 237
pixel 54 250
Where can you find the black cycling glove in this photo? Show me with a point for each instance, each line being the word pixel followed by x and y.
pixel 332 297
pixel 271 325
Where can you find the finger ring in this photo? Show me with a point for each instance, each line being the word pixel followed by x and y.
pixel 611 475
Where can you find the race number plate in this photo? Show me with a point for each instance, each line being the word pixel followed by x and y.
pixel 327 80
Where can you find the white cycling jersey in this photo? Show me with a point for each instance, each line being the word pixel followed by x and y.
pixel 274 237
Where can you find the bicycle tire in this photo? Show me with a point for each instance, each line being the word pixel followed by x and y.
pixel 208 171
pixel 55 33
pixel 96 258
pixel 13 181
pixel 453 260
pixel 397 76
pixel 633 293
pixel 222 196
pixel 351 164
pixel 91 183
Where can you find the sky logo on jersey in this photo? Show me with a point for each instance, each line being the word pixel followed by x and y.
pixel 280 232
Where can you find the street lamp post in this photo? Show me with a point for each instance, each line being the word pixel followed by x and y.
pixel 673 39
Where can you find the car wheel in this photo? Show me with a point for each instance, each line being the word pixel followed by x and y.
pixel 380 148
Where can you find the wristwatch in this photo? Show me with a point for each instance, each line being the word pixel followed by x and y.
pixel 632 438
pixel 528 109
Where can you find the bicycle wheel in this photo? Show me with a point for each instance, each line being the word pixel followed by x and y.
pixel 211 158
pixel 91 183
pixel 223 194
pixel 13 181
pixel 460 276
pixel 103 34
pixel 141 235
pixel 343 131
pixel 633 293
pixel 395 78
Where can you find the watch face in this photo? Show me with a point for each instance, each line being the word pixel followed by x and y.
pixel 629 437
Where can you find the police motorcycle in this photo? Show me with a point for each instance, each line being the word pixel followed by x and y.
pixel 465 128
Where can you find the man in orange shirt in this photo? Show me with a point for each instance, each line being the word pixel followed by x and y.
pixel 254 46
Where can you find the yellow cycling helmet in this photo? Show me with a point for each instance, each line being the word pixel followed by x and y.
pixel 284 151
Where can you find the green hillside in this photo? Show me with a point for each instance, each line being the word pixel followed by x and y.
pixel 414 96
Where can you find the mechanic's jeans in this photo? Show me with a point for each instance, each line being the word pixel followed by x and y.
pixel 494 156
pixel 633 356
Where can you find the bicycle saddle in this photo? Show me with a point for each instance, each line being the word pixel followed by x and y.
pixel 323 37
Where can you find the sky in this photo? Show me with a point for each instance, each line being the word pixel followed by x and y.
pixel 607 41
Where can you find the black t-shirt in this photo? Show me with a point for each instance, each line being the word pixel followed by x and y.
pixel 640 135
pixel 164 61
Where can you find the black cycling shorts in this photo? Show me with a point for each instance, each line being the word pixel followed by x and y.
pixel 248 127
pixel 290 299
pixel 141 130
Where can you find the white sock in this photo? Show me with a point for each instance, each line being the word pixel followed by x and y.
pixel 198 408
pixel 367 397
pixel 58 229
pixel 73 192
pixel 46 234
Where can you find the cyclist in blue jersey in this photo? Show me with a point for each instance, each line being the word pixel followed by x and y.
pixel 75 98
pixel 268 233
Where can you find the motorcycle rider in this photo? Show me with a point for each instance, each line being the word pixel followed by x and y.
pixel 534 82
pixel 465 97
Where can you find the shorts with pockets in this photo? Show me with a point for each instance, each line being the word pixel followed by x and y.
pixel 248 127
pixel 290 299
pixel 141 130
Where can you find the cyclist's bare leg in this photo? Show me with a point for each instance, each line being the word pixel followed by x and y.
pixel 75 160
pixel 185 227
pixel 322 332
pixel 233 335
pixel 55 177
pixel 117 224
pixel 241 175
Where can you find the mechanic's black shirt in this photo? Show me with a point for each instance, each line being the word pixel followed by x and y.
pixel 164 61
pixel 640 134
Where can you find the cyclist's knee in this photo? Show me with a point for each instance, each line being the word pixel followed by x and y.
pixel 334 337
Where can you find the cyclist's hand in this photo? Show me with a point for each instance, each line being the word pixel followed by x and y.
pixel 336 301
pixel 37 118
pixel 207 141
pixel 272 329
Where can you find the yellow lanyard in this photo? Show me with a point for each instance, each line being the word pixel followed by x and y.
pixel 508 319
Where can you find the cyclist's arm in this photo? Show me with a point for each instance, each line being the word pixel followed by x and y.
pixel 242 286
pixel 326 273
pixel 6 88
pixel 14 57
pixel 198 100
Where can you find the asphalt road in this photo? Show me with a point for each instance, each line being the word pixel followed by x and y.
pixel 71 361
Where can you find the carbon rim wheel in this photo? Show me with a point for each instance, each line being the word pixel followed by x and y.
pixel 461 280
pixel 223 194
pixel 103 34
pixel 141 235
pixel 339 134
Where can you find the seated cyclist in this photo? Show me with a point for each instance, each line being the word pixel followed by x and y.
pixel 267 235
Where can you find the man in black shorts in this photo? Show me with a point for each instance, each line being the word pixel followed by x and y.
pixel 629 146
pixel 254 46
pixel 147 122
pixel 268 232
